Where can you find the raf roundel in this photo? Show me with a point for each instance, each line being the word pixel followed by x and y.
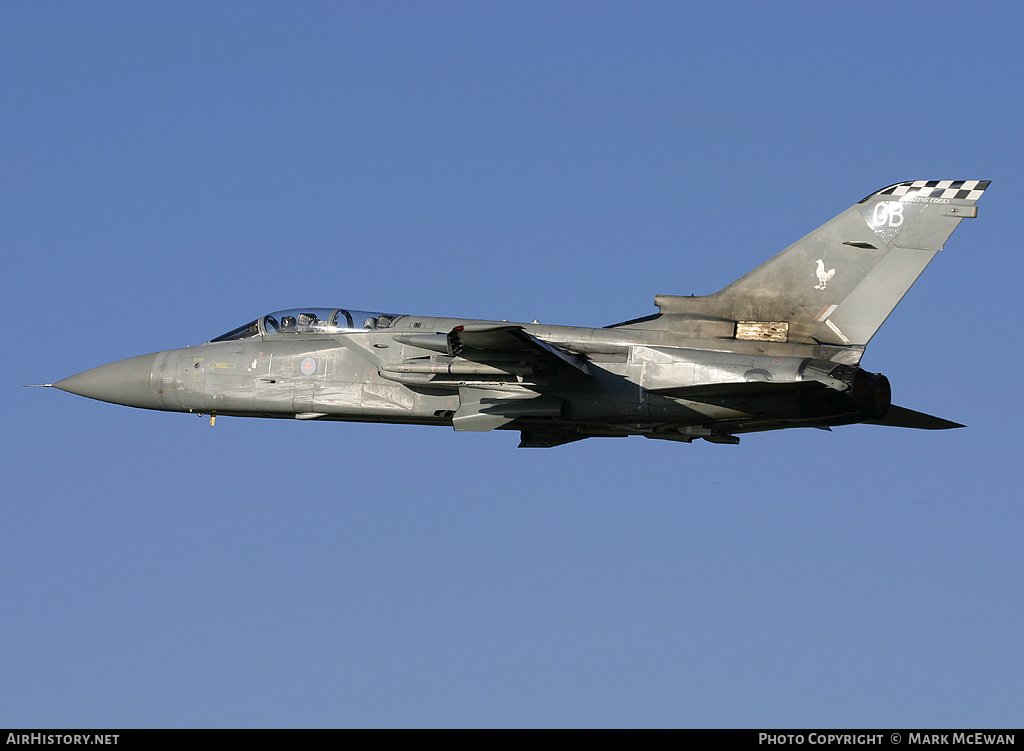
pixel 308 366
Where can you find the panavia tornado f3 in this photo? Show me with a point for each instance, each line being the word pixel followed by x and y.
pixel 778 348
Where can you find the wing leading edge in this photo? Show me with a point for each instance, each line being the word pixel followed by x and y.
pixel 473 341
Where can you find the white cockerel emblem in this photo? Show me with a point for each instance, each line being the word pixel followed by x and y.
pixel 823 276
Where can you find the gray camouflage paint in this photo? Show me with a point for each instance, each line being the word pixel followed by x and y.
pixel 777 348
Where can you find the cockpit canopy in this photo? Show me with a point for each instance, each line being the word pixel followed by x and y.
pixel 311 321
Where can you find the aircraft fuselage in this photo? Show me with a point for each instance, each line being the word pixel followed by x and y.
pixel 408 373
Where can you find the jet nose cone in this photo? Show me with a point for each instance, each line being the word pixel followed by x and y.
pixel 127 382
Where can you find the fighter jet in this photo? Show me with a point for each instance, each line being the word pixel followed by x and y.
pixel 778 348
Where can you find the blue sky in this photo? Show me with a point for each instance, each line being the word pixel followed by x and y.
pixel 171 171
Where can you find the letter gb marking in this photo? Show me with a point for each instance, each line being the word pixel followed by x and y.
pixel 887 213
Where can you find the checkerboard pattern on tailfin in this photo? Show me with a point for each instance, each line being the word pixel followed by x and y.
pixel 970 190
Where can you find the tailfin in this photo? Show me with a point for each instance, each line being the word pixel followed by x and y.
pixel 837 285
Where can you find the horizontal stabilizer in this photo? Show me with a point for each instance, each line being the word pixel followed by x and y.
pixel 900 417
